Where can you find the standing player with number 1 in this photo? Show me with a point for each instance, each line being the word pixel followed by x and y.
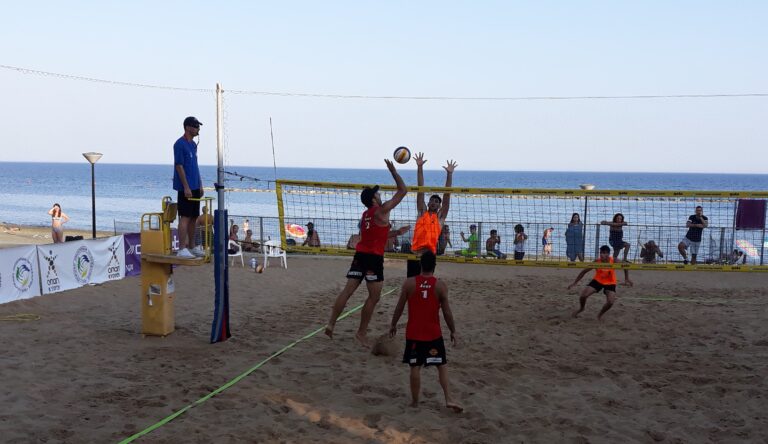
pixel 368 262
pixel 431 216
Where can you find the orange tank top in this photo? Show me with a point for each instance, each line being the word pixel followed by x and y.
pixel 426 232
pixel 606 276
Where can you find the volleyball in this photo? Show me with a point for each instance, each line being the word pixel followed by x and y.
pixel 259 268
pixel 402 155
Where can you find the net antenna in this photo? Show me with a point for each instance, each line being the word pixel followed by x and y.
pixel 272 138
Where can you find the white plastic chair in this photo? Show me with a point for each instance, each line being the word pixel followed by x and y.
pixel 272 249
pixel 232 245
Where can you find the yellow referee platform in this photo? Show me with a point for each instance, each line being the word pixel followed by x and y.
pixel 157 286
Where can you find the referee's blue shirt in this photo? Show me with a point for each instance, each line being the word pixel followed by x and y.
pixel 185 154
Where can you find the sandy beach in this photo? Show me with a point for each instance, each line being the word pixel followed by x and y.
pixel 682 357
pixel 13 235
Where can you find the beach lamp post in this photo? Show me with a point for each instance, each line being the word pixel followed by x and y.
pixel 92 159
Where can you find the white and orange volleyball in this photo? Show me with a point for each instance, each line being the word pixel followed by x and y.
pixel 402 155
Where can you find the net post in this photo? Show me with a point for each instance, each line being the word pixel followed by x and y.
pixel 220 326
pixel 281 214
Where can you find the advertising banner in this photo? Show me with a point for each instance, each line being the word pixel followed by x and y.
pixel 132 243
pixel 133 251
pixel 74 264
pixel 19 276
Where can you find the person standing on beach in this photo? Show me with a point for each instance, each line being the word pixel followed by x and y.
pixel 519 242
pixel 430 217
pixel 574 239
pixel 696 224
pixel 186 180
pixel 424 346
pixel 368 262
pixel 605 279
pixel 58 219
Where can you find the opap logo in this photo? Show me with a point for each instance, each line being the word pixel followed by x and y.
pixel 23 275
pixel 82 265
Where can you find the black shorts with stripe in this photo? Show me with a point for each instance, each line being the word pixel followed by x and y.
pixel 418 353
pixel 367 266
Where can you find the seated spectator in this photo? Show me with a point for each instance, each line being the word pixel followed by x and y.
pixel 312 239
pixel 248 243
pixel 736 256
pixel 649 251
pixel 474 242
pixel 492 245
pixel 233 237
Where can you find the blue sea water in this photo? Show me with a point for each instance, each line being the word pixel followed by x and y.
pixel 124 192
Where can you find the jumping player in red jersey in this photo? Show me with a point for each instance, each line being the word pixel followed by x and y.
pixel 424 346
pixel 368 262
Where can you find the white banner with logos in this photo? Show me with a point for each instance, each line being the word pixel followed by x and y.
pixel 19 277
pixel 74 264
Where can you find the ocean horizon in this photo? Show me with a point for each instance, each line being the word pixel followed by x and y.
pixel 125 191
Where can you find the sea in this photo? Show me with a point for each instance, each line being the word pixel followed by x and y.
pixel 125 191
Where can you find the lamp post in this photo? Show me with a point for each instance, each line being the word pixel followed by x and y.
pixel 92 159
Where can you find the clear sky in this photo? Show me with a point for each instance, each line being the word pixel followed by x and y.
pixel 424 48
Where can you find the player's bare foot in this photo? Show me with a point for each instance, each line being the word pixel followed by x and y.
pixel 414 404
pixel 454 406
pixel 575 314
pixel 329 331
pixel 362 339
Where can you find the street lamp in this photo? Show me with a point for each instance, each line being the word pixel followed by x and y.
pixel 92 159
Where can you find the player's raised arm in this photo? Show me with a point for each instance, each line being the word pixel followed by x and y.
pixel 449 167
pixel 401 188
pixel 421 207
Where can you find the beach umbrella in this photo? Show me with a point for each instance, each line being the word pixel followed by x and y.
pixel 295 231
pixel 748 248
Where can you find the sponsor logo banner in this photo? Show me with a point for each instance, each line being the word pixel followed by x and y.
pixel 74 264
pixel 19 277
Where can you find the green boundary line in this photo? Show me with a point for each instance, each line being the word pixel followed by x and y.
pixel 673 299
pixel 237 379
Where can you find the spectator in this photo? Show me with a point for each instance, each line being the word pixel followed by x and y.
pixel 58 219
pixel 696 224
pixel 312 239
pixel 204 219
pixel 444 240
pixel 520 238
pixel 546 241
pixel 492 245
pixel 248 243
pixel 574 239
pixel 233 237
pixel 616 235
pixel 474 242
pixel 649 251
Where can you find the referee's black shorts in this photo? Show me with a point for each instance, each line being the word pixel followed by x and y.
pixel 189 208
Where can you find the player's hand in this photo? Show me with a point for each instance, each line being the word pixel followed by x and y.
pixel 392 331
pixel 454 339
pixel 187 193
pixel 450 166
pixel 390 165
pixel 419 158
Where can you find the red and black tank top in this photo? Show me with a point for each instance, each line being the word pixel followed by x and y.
pixel 372 237
pixel 423 311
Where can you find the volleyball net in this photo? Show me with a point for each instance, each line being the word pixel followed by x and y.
pixel 734 240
